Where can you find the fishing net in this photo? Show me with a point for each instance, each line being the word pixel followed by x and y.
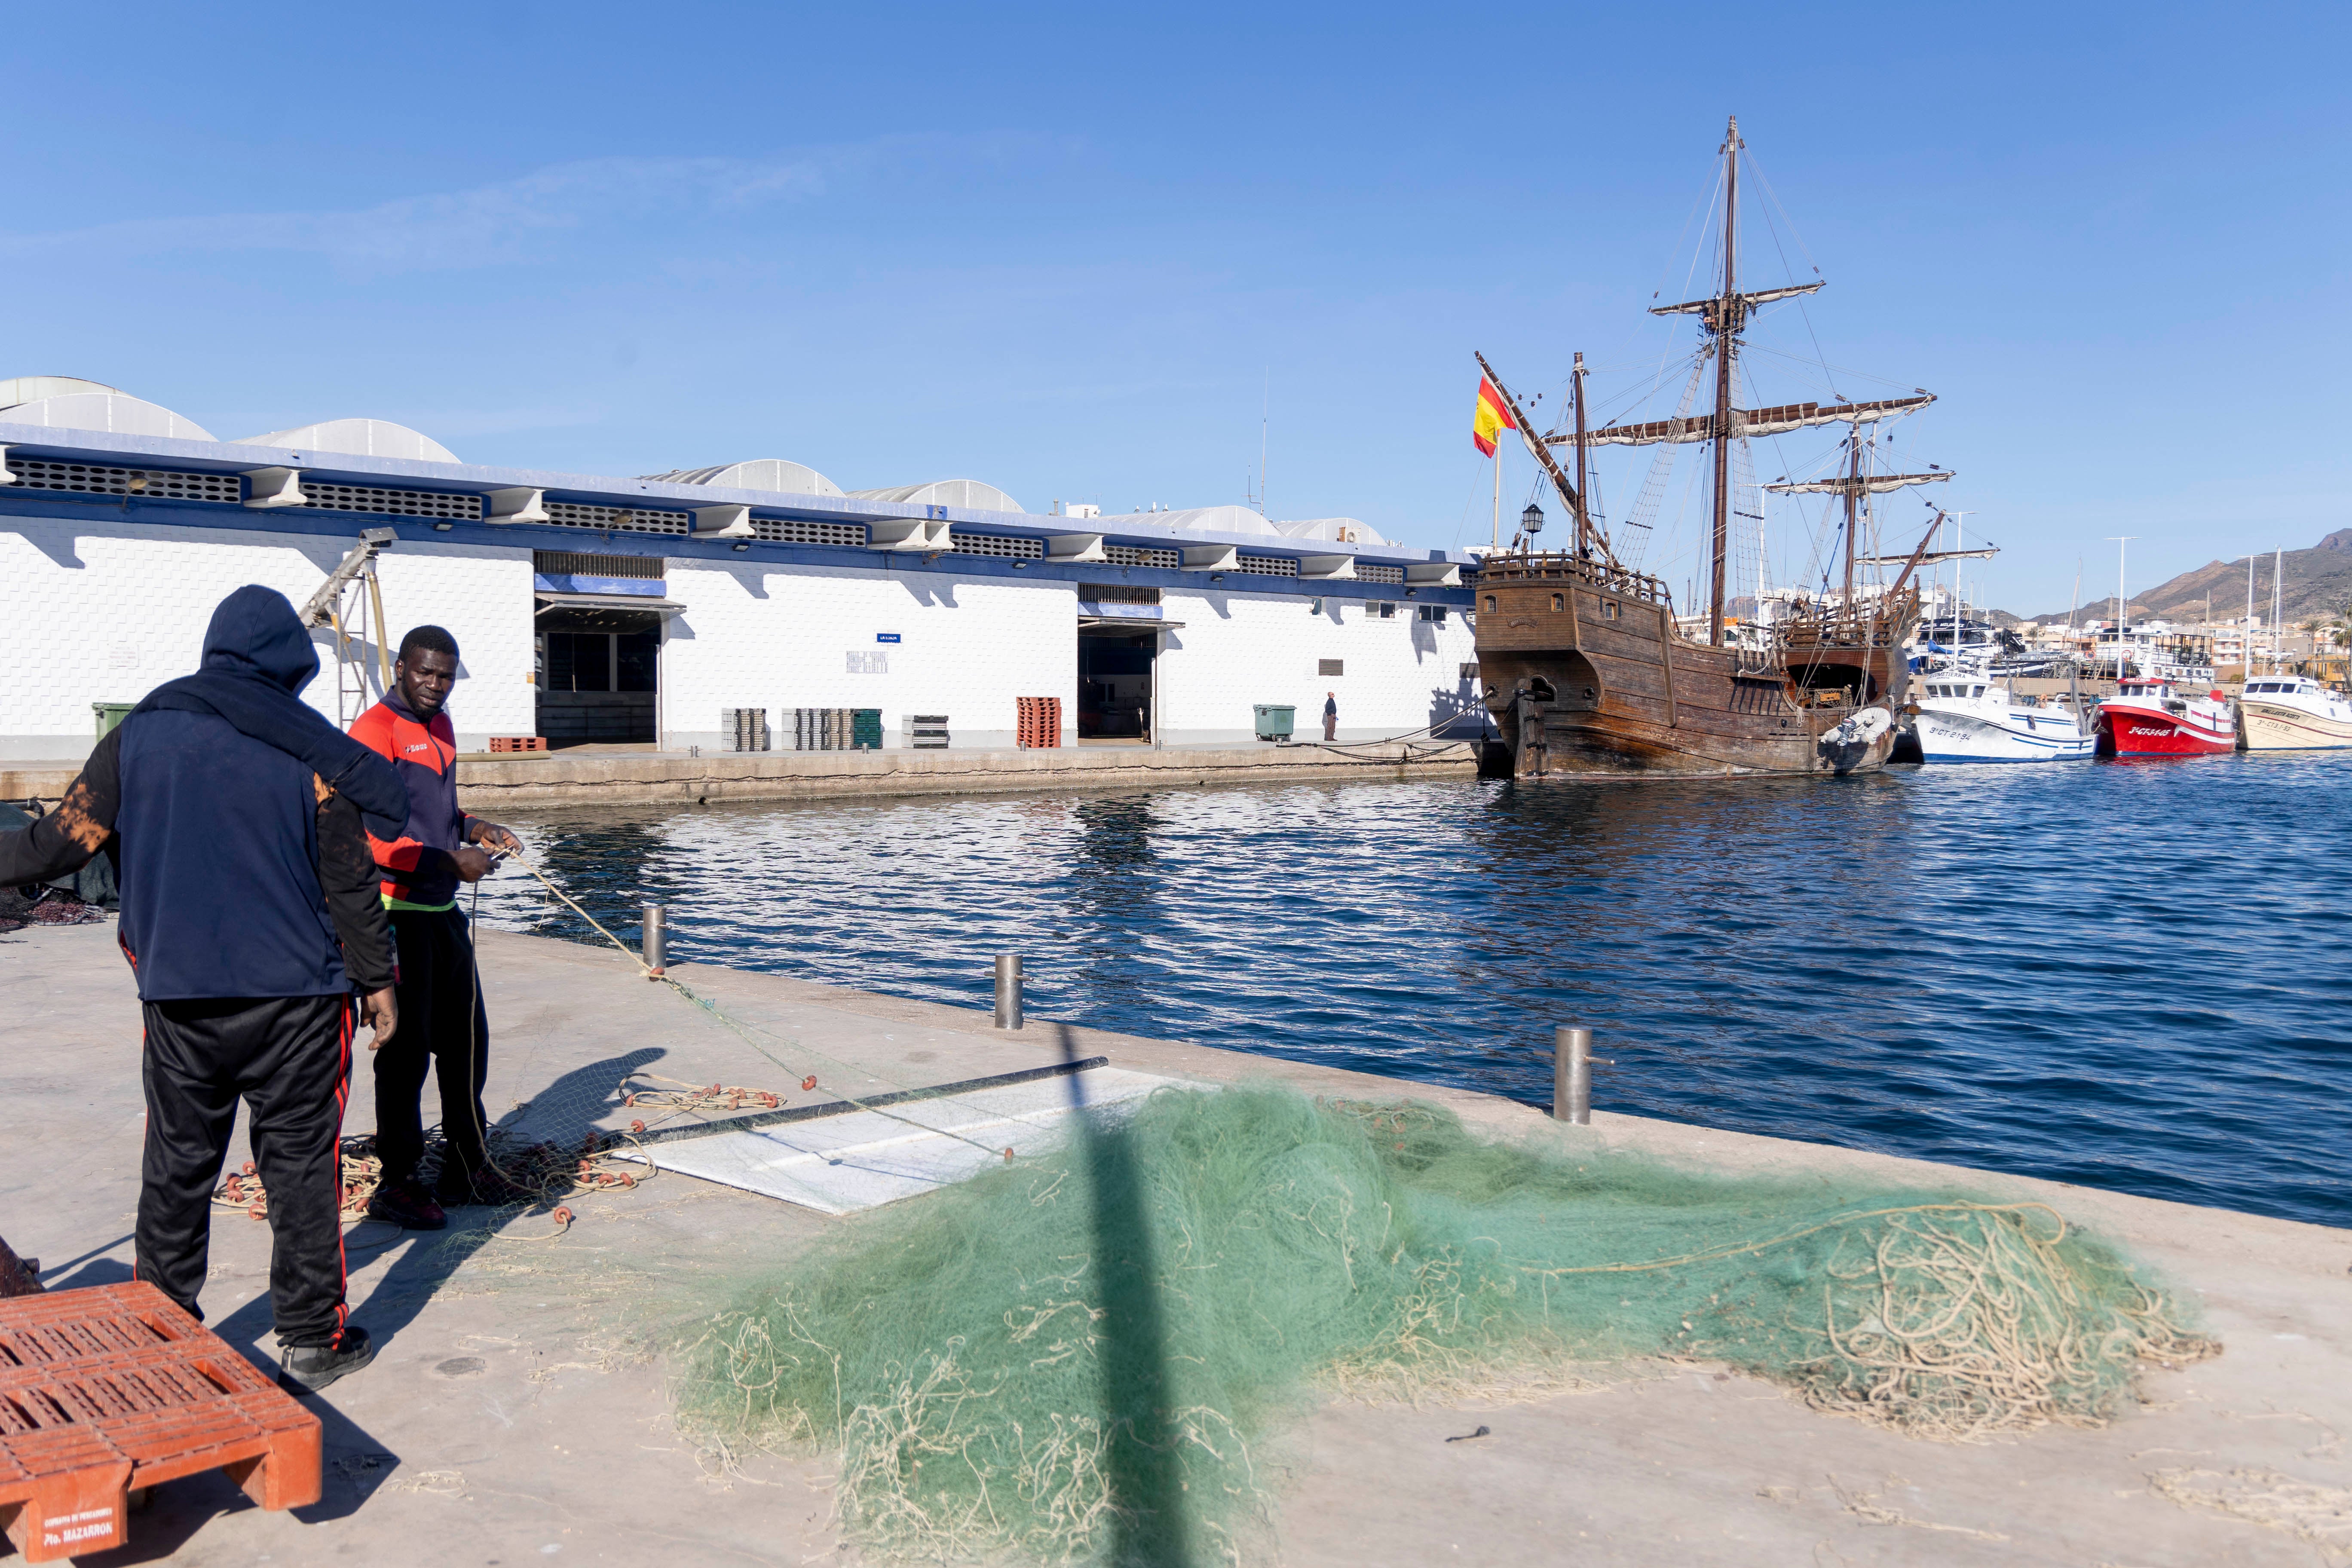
pixel 1081 1357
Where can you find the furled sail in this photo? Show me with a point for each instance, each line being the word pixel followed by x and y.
pixel 1859 484
pixel 1772 421
pixel 1747 301
pixel 1928 557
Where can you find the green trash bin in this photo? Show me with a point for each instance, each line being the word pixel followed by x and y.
pixel 866 729
pixel 110 714
pixel 1275 720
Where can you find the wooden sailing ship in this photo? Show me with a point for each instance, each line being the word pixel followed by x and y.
pixel 1580 658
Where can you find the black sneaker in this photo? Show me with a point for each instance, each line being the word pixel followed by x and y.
pixel 487 1188
pixel 406 1205
pixel 307 1369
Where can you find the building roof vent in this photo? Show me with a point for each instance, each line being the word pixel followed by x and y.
pixel 971 494
pixel 777 475
pixel 356 438
pixel 1333 529
pixel 102 409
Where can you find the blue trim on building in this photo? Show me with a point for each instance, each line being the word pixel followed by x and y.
pixel 68 505
pixel 470 480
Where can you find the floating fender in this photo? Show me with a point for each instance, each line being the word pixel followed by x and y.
pixel 1845 747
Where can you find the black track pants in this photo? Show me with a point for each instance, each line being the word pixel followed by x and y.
pixel 290 1059
pixel 441 1018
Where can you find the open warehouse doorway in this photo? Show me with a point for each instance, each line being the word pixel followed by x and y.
pixel 597 625
pixel 1118 662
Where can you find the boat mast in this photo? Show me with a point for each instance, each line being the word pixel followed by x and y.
pixel 1727 322
pixel 1853 499
pixel 1582 526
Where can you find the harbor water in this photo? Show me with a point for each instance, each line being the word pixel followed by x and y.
pixel 2130 975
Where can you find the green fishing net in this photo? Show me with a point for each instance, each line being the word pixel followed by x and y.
pixel 1080 1357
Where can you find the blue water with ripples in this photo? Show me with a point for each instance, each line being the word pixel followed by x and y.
pixel 2132 975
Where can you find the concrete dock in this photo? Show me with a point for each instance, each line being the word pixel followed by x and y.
pixel 518 1410
pixel 614 777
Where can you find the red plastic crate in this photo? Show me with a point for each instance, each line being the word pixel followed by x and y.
pixel 112 1388
pixel 518 742
pixel 1040 723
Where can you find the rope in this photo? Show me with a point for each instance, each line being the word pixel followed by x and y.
pixel 808 1082
pixel 1716 1254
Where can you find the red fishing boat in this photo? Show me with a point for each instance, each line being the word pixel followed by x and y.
pixel 2150 719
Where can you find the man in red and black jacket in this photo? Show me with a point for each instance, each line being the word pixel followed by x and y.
pixel 237 819
pixel 440 991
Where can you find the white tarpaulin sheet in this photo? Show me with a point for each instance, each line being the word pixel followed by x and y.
pixel 839 1164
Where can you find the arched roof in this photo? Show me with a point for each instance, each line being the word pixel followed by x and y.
pixel 778 476
pixel 971 494
pixel 33 388
pixel 360 438
pixel 114 412
pixel 1333 530
pixel 1238 519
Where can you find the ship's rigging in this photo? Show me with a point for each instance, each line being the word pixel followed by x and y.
pixel 1724 316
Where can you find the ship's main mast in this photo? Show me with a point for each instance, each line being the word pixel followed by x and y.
pixel 1727 346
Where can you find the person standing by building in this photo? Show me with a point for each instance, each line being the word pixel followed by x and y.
pixel 237 820
pixel 440 990
pixel 1330 715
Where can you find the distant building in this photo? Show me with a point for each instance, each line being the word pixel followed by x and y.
pixel 645 610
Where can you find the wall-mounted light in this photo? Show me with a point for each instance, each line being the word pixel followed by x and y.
pixel 441 528
pixel 1413 593
pixel 742 548
pixel 1216 576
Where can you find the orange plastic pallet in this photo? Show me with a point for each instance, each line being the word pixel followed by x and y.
pixel 112 1388
pixel 518 742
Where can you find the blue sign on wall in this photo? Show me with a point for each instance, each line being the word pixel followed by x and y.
pixel 886 636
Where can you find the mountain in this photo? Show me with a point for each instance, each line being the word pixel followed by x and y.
pixel 2314 582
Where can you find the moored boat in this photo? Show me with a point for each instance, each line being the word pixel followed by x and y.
pixel 2293 714
pixel 2150 718
pixel 1966 717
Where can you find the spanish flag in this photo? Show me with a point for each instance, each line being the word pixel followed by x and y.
pixel 1491 415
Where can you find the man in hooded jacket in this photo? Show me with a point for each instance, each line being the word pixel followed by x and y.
pixel 237 819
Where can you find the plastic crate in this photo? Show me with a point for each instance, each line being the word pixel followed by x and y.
pixel 112 1388
pixel 746 729
pixel 1040 723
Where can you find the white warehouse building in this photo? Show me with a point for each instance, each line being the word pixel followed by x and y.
pixel 648 611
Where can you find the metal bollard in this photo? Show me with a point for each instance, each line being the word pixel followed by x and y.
pixel 1008 991
pixel 657 939
pixel 1572 1062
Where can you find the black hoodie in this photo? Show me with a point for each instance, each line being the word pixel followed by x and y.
pixel 233 816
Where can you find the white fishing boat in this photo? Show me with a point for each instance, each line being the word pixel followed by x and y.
pixel 1966 717
pixel 2292 713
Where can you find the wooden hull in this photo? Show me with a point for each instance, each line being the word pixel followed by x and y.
pixel 1585 673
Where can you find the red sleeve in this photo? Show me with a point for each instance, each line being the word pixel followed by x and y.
pixel 374 730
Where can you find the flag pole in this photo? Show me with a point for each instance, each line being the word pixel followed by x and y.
pixel 1498 495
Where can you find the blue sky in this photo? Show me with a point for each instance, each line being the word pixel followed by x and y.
pixel 1074 251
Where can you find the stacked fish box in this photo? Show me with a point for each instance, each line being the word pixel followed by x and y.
pixel 837 729
pixel 926 731
pixel 746 728
pixel 1040 723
